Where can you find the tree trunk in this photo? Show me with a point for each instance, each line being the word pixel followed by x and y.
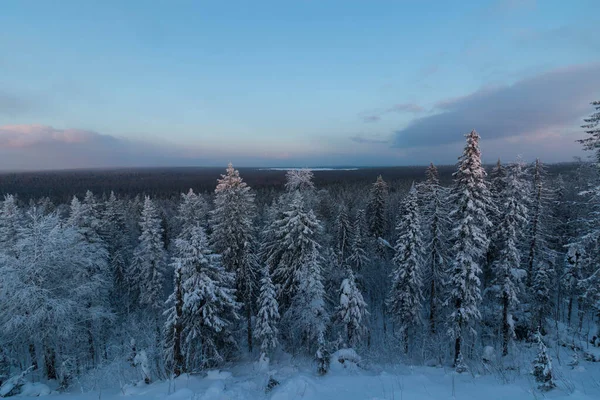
pixel 178 361
pixel 50 363
pixel 249 324
pixel 432 309
pixel 505 324
pixel 569 311
pixel 33 355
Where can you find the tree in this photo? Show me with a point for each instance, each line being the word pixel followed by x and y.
pixel 293 244
pixel 405 297
pixel 471 201
pixel 10 222
pixel 506 267
pixel 498 179
pixel 435 223
pixel 113 230
pixel 268 316
pixel 233 237
pixel 358 257
pixel 352 310
pixel 209 305
pixel 376 208
pixel 343 233
pixel 539 251
pixel 149 259
pixel 192 210
pixel 592 142
pixel 52 292
pixel 306 317
pixel 299 180
pixel 542 366
pixel 174 358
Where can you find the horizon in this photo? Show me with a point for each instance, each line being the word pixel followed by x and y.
pixel 303 84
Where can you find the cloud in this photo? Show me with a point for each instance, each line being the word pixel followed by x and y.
pixel 556 100
pixel 19 136
pixel 411 108
pixel 11 104
pixel 364 140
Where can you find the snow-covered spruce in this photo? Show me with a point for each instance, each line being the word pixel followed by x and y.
pixel 405 299
pixel 470 200
pixel 352 310
pixel 232 223
pixel 542 366
pixel 267 319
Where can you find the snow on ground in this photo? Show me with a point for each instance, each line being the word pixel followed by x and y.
pixel 372 383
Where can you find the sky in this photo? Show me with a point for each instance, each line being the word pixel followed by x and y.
pixel 295 83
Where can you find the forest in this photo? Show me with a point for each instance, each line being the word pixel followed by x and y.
pixel 453 270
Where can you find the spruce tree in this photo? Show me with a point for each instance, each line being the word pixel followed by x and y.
pixel 209 302
pixel 514 211
pixel 10 222
pixel 377 208
pixel 405 298
pixel 149 259
pixel 267 319
pixel 542 366
pixel 592 143
pixel 471 200
pixel 435 233
pixel 294 242
pixel 352 310
pixel 233 237
pixel 358 257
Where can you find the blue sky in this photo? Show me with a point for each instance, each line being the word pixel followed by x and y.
pixel 292 83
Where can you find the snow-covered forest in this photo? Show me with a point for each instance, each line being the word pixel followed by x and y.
pixel 495 273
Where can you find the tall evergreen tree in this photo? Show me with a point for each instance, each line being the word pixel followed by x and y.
pixel 233 237
pixel 294 243
pixel 405 297
pixel 149 259
pixel 513 208
pixel 435 229
pixel 268 316
pixel 358 257
pixel 10 222
pixel 343 234
pixel 592 126
pixel 352 310
pixel 377 208
pixel 471 201
pixel 209 306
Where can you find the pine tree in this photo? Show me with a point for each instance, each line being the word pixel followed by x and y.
pixel 471 201
pixel 405 297
pixel 233 237
pixel 352 310
pixel 435 229
pixel 376 208
pixel 209 305
pixel 591 125
pixel 268 316
pixel 542 367
pixel 509 235
pixel 149 259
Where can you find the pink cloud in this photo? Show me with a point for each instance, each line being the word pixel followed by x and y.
pixel 19 136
